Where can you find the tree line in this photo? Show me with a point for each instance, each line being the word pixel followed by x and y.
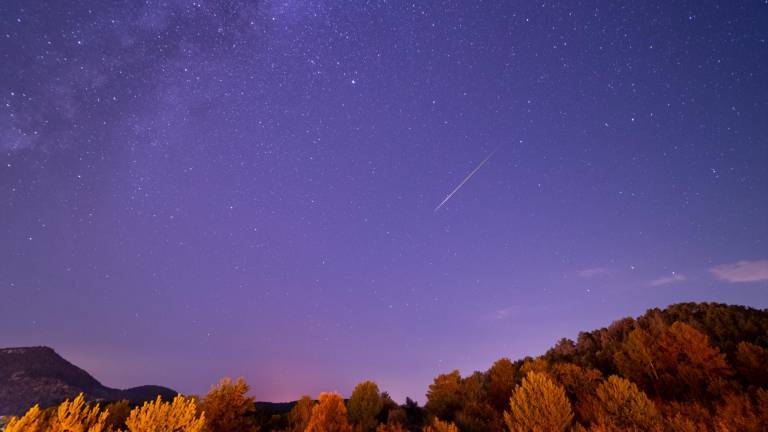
pixel 690 367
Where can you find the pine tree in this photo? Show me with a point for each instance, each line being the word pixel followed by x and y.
pixel 622 406
pixel 538 405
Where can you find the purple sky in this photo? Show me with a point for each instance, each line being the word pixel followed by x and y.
pixel 195 189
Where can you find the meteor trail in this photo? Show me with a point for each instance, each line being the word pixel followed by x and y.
pixel 469 176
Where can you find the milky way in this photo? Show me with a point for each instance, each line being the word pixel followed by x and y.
pixel 190 190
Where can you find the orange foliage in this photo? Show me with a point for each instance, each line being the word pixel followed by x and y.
pixel 438 425
pixel 679 363
pixel 329 415
pixel 298 418
pixel 444 395
pixel 228 408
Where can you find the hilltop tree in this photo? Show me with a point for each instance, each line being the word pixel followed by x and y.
pixel 751 362
pixel 677 364
pixel 329 415
pixel 364 406
pixel 444 396
pixel 538 404
pixel 298 418
pixel 181 415
pixel 227 407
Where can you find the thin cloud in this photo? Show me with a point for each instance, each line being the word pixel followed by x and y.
pixel 505 313
pixel 742 271
pixel 667 280
pixel 593 272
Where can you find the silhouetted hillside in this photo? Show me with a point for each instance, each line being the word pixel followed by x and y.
pixel 38 375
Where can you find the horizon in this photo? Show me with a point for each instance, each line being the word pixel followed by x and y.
pixel 419 400
pixel 309 194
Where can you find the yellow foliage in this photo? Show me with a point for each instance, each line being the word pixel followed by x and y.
pixel 75 416
pixel 329 415
pixel 32 421
pixel 158 416
pixel 70 416
pixel 538 405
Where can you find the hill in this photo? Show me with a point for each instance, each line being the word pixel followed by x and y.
pixel 38 375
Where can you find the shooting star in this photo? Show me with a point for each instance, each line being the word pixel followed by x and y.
pixel 466 179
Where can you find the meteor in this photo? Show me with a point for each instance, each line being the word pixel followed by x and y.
pixel 466 179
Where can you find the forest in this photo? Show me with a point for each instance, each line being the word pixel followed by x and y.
pixel 689 367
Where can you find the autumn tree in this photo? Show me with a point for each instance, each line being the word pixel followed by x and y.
pixel 676 363
pixel 298 417
pixel 476 413
pixel 180 415
pixel 538 405
pixel 364 406
pixel 738 412
pixel 32 421
pixel 501 383
pixel 437 425
pixel 579 384
pixel 227 407
pixel 686 417
pixel 622 406
pixel 77 416
pixel 329 415
pixel 751 362
pixel 444 396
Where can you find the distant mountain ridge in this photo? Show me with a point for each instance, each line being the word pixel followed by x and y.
pixel 38 375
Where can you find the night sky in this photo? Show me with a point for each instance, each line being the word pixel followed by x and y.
pixel 198 189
